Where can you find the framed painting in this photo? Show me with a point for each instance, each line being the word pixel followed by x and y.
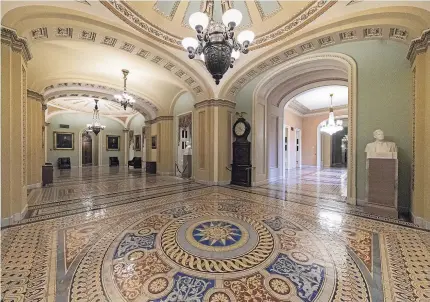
pixel 63 140
pixel 138 142
pixel 112 142
pixel 154 142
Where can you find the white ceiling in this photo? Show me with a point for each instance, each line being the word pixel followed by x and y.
pixel 319 97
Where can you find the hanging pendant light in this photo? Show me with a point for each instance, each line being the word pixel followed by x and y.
pixel 331 126
pixel 216 43
pixel 125 99
pixel 96 126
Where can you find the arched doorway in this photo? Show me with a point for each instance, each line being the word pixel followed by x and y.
pixel 277 88
pixel 87 149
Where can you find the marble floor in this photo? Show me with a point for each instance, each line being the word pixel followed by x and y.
pixel 119 235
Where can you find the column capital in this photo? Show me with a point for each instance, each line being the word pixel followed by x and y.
pixel 18 44
pixel 159 119
pixel 215 103
pixel 418 45
pixel 35 95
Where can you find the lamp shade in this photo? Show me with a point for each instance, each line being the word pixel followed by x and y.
pixel 232 15
pixel 190 42
pixel 198 18
pixel 235 54
pixel 245 35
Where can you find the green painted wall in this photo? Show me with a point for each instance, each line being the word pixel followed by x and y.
pixel 384 102
pixel 77 122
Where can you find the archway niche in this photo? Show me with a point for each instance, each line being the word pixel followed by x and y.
pixel 276 89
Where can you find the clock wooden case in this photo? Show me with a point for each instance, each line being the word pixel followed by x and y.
pixel 241 167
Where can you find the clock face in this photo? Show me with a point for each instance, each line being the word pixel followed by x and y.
pixel 239 129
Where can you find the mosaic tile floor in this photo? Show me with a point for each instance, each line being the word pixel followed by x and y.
pixel 174 240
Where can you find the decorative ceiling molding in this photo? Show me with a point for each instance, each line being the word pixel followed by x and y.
pixel 263 14
pixel 159 119
pixel 52 33
pixel 215 103
pixel 351 35
pixel 418 45
pixel 94 91
pixel 35 96
pixel 304 111
pixel 296 106
pixel 133 18
pixel 171 14
pixel 18 44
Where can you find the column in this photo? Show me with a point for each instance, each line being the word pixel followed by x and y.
pixel 147 138
pixel 212 137
pixel 45 141
pixel 162 126
pixel 35 143
pixel 419 55
pixel 14 57
pixel 126 134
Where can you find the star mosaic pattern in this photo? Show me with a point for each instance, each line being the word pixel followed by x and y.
pixel 217 233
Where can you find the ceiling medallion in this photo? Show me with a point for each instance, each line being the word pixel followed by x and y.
pixel 216 44
pixel 96 126
pixel 125 99
pixel 331 126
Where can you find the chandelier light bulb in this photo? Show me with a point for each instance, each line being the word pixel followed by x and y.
pixel 190 42
pixel 232 16
pixel 246 35
pixel 235 54
pixel 198 19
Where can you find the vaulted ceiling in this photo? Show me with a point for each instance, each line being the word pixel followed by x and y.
pixel 91 41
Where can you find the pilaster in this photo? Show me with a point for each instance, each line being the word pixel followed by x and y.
pixel 14 57
pixel 419 55
pixel 126 145
pixel 164 132
pixel 212 139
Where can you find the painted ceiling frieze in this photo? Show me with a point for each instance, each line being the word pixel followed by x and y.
pixel 134 18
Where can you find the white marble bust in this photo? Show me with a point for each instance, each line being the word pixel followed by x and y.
pixel 379 145
pixel 188 149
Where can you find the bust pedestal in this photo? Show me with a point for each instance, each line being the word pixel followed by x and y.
pixel 188 166
pixel 381 185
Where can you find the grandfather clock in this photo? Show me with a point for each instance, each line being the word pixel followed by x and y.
pixel 241 167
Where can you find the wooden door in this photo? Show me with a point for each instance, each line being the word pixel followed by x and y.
pixel 87 149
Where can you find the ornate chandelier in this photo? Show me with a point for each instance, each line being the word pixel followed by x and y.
pixel 331 126
pixel 216 44
pixel 125 99
pixel 96 126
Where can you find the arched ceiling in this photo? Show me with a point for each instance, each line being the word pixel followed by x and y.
pixel 319 97
pixel 91 41
pixel 82 104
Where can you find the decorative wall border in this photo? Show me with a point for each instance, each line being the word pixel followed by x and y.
pixel 215 103
pixel 60 32
pixel 18 44
pixel 133 18
pixel 376 32
pixel 418 45
pixel 159 119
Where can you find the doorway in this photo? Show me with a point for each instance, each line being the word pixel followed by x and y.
pixel 87 149
pixel 286 147
pixel 298 142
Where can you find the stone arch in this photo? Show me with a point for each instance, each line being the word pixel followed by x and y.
pixel 264 114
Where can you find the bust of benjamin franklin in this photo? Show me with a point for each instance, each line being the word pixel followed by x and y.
pixel 379 145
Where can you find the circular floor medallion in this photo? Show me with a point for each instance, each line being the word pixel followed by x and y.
pixel 217 242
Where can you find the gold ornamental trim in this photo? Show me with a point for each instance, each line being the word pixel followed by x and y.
pixel 35 96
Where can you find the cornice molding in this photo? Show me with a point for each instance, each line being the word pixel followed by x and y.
pixel 300 108
pixel 418 45
pixel 215 103
pixel 159 119
pixel 35 95
pixel 18 44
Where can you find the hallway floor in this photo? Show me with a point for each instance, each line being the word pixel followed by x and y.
pixel 101 234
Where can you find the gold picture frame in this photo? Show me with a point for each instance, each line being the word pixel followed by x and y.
pixel 138 142
pixel 113 142
pixel 64 140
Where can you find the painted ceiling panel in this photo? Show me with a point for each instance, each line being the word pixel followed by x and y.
pixel 166 8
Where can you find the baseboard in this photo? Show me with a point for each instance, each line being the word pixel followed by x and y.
pixel 15 218
pixel 420 221
pixel 34 186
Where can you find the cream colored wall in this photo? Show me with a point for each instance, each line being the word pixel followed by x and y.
pixel 309 135
pixel 13 135
pixel 326 150
pixel 296 121
pixel 35 150
pixel 421 189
